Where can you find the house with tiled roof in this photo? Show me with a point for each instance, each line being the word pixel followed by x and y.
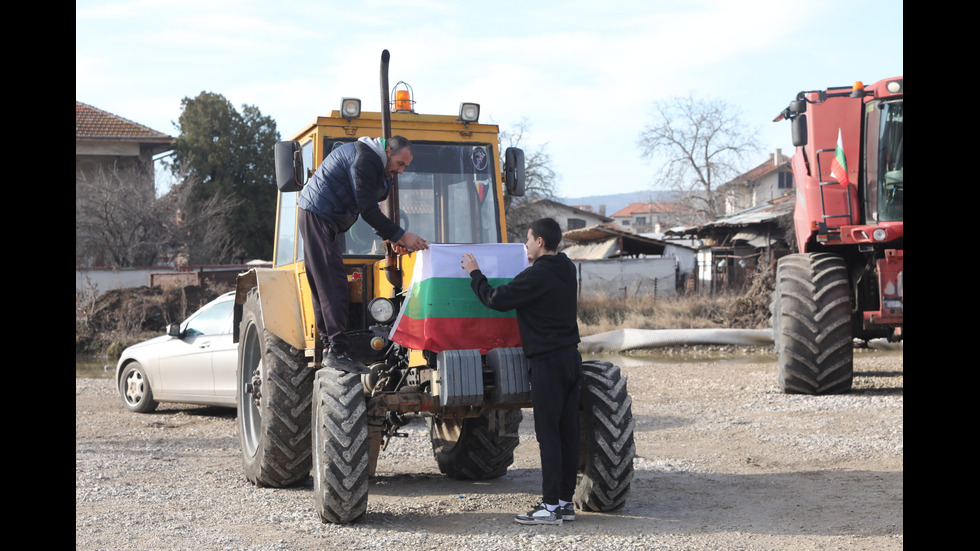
pixel 766 182
pixel 107 141
pixel 643 217
pixel 519 217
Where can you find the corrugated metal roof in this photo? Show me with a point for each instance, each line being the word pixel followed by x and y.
pixel 556 204
pixel 758 226
pixel 627 243
pixel 593 250
pixel 765 212
pixel 595 233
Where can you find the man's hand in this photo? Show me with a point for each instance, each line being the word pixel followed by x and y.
pixel 469 263
pixel 409 243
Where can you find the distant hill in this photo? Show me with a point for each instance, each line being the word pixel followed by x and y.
pixel 616 201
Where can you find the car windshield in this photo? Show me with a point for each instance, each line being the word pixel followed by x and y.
pixel 213 319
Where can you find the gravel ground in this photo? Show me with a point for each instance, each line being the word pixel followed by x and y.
pixel 724 461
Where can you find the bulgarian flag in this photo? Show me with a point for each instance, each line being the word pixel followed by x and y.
pixel 441 311
pixel 838 166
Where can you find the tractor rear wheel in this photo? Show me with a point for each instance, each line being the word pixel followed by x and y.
pixel 274 386
pixel 476 448
pixel 811 321
pixel 606 420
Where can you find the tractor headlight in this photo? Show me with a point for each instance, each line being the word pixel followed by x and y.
pixel 879 234
pixel 381 309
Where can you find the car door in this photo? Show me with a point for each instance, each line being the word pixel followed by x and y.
pixel 186 362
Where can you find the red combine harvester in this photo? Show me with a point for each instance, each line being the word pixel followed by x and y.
pixel 845 279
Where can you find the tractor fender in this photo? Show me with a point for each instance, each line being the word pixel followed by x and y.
pixel 279 297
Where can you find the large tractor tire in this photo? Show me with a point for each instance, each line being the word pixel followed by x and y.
pixel 341 448
pixel 606 459
pixel 811 320
pixel 476 448
pixel 274 388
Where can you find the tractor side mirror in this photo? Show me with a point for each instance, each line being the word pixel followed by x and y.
pixel 290 175
pixel 514 171
pixel 799 131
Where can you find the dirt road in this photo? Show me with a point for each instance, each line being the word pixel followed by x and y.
pixel 724 461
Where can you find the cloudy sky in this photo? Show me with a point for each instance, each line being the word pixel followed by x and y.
pixel 584 74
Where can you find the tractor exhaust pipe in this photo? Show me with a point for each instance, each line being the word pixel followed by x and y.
pixel 391 206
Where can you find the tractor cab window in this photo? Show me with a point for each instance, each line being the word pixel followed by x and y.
pixel 886 162
pixel 287 234
pixel 446 195
pixel 289 242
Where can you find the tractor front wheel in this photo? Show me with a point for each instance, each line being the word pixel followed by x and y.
pixel 811 321
pixel 341 450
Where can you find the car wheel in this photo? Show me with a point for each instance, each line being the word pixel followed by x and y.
pixel 134 388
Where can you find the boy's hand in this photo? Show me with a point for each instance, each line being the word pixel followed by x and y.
pixel 469 263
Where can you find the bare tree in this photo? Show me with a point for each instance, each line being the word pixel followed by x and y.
pixel 541 179
pixel 701 144
pixel 119 221
pixel 198 229
pixel 116 219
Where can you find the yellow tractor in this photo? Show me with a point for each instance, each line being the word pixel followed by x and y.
pixel 294 416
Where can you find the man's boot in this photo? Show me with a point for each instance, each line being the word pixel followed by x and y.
pixel 342 361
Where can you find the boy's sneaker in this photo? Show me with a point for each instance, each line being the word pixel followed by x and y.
pixel 567 512
pixel 345 363
pixel 540 515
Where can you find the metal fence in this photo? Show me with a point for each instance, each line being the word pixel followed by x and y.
pixel 628 277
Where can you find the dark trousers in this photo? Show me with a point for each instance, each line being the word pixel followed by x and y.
pixel 323 254
pixel 556 380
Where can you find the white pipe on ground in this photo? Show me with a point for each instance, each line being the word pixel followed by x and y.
pixel 622 340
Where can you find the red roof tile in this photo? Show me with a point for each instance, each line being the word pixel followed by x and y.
pixel 642 208
pixel 92 123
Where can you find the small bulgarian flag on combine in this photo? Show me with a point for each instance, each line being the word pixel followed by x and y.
pixel 838 166
pixel 441 311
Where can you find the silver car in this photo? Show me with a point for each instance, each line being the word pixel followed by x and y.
pixel 193 363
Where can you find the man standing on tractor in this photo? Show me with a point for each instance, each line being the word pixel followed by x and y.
pixel 545 297
pixel 350 181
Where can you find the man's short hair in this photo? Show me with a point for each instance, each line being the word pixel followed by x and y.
pixel 549 230
pixel 397 143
